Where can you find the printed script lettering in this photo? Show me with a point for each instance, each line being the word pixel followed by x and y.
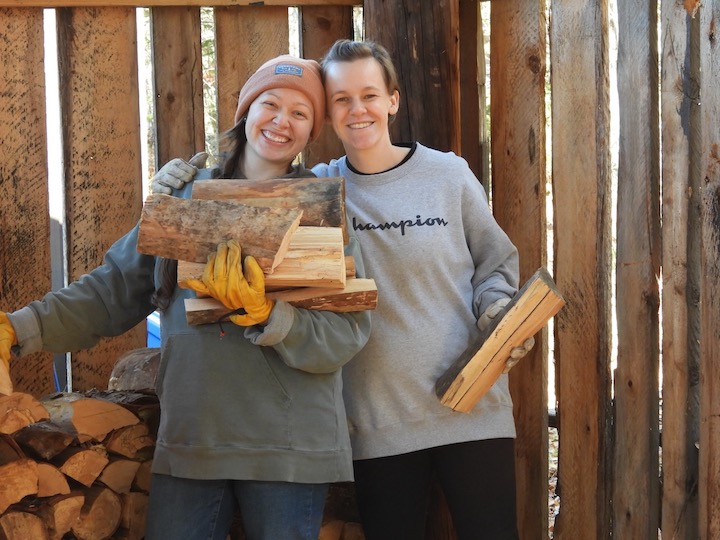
pixel 402 225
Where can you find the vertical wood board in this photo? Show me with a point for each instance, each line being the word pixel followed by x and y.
pixel 178 83
pixel 25 272
pixel 518 197
pixel 709 142
pixel 636 460
pixel 422 39
pixel 581 196
pixel 100 122
pixel 321 26
pixel 679 86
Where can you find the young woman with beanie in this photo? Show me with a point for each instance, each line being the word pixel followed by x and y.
pixel 253 417
pixel 445 269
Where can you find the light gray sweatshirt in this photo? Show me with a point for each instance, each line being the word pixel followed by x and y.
pixel 439 259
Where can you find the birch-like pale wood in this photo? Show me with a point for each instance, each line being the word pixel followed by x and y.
pixel 314 258
pixel 680 389
pixel 101 144
pixel 191 229
pixel 25 246
pixel 709 169
pixel 479 367
pixel 322 200
pixel 359 294
pixel 582 259
pixel 519 204
pixel 636 491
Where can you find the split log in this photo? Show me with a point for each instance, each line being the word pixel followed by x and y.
pixel 190 229
pixel 472 375
pixel 119 474
pixel 44 440
pixel 90 419
pixel 18 410
pixel 59 513
pixel 322 200
pixel 82 464
pixel 315 258
pixel 133 442
pixel 51 481
pixel 143 477
pixel 357 295
pixel 18 474
pixel 144 405
pixel 18 525
pixel 133 516
pixel 136 369
pixel 100 515
pixel 17 480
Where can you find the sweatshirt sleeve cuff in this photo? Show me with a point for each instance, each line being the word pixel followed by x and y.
pixel 278 326
pixel 27 330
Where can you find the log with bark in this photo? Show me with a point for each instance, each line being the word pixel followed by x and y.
pixel 191 229
pixel 322 200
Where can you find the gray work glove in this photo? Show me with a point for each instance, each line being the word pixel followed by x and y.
pixel 518 352
pixel 176 173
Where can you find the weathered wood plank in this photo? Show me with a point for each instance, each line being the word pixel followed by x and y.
pixel 581 207
pixel 263 31
pixel 680 405
pixel 519 204
pixel 100 131
pixel 168 3
pixel 421 37
pixel 320 27
pixel 709 170
pixel 24 181
pixel 177 70
pixel 473 134
pixel 635 487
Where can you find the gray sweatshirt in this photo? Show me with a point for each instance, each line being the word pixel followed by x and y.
pixel 259 403
pixel 439 259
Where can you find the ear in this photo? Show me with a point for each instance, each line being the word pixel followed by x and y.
pixel 394 102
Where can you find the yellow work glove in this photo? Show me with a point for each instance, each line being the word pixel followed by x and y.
pixel 222 276
pixel 517 352
pixel 224 280
pixel 7 339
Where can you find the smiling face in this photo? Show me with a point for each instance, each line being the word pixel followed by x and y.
pixel 358 104
pixel 278 128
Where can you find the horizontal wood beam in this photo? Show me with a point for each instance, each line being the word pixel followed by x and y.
pixel 168 3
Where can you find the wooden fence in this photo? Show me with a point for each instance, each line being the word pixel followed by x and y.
pixel 626 471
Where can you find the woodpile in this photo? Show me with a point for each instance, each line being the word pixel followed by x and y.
pixel 76 466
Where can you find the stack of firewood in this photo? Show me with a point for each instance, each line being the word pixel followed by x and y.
pixel 76 465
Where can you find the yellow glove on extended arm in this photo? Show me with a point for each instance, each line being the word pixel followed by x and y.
pixel 7 340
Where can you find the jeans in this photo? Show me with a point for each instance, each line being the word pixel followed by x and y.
pixel 185 509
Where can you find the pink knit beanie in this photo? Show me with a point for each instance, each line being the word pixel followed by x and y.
pixel 286 71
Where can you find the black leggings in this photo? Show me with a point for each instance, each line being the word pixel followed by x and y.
pixel 477 478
